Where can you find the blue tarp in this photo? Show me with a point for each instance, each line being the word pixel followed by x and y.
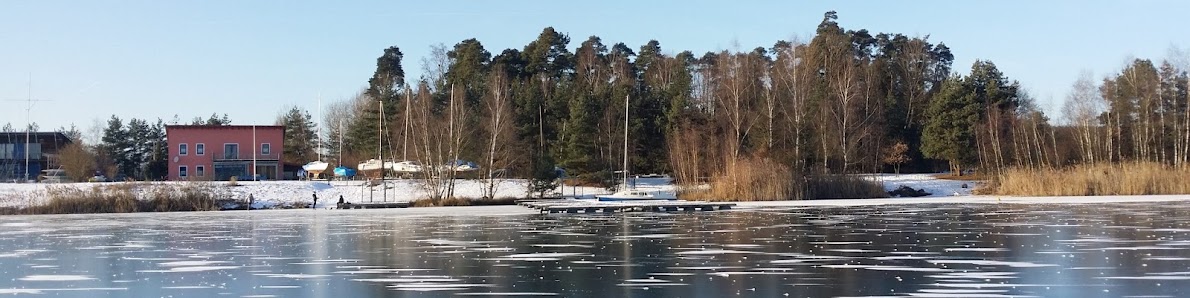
pixel 344 171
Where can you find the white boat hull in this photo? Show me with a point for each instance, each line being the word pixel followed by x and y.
pixel 370 165
pixel 629 195
pixel 404 167
pixel 315 166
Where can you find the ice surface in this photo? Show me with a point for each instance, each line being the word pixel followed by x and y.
pixel 949 250
pixel 510 294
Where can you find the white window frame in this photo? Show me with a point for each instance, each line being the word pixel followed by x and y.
pixel 200 171
pixel 183 149
pixel 264 146
pixel 200 149
pixel 183 172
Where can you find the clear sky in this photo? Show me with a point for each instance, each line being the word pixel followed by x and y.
pixel 252 59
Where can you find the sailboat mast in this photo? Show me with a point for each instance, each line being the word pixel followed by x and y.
pixel 380 137
pixel 625 141
pixel 405 145
pixel 320 126
pixel 340 142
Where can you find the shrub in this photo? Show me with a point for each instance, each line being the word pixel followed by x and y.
pixel 843 187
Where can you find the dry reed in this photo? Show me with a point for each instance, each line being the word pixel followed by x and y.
pixel 761 179
pixel 459 201
pixel 751 179
pixel 842 187
pixel 1094 180
pixel 127 197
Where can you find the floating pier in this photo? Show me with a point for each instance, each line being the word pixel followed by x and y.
pixel 592 206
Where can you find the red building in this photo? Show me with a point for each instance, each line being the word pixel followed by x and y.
pixel 218 152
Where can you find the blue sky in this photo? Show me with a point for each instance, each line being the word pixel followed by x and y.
pixel 251 59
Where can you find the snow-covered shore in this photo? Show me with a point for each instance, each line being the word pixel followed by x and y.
pixel 268 194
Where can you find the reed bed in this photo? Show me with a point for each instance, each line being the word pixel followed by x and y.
pixel 842 187
pixel 760 179
pixel 460 201
pixel 1093 180
pixel 128 197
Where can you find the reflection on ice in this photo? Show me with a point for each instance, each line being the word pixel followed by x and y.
pixel 190 269
pixel 56 278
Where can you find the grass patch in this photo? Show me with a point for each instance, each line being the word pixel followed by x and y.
pixel 1093 180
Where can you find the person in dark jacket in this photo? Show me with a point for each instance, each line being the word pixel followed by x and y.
pixel 315 206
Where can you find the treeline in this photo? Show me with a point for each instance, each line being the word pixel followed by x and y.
pixel 1140 114
pixel 830 105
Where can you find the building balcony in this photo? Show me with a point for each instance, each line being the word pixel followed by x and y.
pixel 246 157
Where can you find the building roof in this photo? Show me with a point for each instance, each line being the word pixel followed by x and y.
pixel 34 134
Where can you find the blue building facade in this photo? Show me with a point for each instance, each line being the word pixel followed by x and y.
pixel 40 152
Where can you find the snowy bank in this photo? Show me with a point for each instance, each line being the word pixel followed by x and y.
pixel 268 194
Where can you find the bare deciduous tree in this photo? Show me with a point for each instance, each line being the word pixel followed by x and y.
pixel 500 154
pixel 1082 108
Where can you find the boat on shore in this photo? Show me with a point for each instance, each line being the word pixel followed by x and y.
pixel 461 166
pixel 629 195
pixel 371 165
pixel 315 167
pixel 627 192
pixel 342 171
pixel 407 166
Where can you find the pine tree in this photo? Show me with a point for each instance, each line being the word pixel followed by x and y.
pixel 116 145
pixel 136 164
pixel 157 160
pixel 301 138
pixel 949 132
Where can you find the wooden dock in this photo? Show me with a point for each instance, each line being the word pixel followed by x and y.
pixel 372 205
pixel 592 206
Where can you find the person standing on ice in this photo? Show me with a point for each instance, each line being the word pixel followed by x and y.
pixel 315 206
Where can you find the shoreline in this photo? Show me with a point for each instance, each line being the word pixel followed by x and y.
pixel 295 195
pixel 517 210
pixel 981 199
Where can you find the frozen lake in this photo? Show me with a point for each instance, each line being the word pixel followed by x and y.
pixel 931 250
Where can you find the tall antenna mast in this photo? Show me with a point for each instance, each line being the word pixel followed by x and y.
pixel 28 123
